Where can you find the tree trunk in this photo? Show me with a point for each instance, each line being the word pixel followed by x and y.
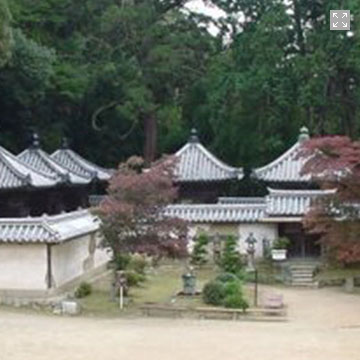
pixel 150 127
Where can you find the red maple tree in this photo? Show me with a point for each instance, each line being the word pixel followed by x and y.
pixel 334 163
pixel 132 213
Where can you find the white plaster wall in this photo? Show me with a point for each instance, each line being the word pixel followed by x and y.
pixel 76 257
pixel 23 267
pixel 101 256
pixel 67 260
pixel 260 232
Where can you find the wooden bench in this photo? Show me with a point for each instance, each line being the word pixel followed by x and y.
pixel 150 309
pixel 274 301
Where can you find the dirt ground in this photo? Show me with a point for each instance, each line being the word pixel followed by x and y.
pixel 323 324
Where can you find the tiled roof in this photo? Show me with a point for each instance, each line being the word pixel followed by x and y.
pixel 280 203
pixel 48 229
pixel 241 200
pixel 16 174
pixel 292 202
pixel 196 163
pixel 40 160
pixel 217 213
pixel 77 164
pixel 287 167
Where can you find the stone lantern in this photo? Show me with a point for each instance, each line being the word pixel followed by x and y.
pixel 189 283
pixel 251 241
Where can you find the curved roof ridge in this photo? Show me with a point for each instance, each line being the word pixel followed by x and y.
pixel 286 168
pixel 198 164
pixel 23 171
pixel 90 169
pixel 281 158
pixel 23 178
pixel 216 160
pixel 77 156
pixel 54 168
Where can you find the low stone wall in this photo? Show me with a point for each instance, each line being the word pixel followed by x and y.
pixel 337 282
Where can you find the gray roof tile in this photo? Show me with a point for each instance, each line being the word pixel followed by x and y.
pixel 16 174
pixel 40 160
pixel 47 229
pixel 196 163
pixel 72 161
pixel 292 202
pixel 217 213
pixel 286 168
pixel 281 203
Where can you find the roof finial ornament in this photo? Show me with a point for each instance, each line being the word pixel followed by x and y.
pixel 304 134
pixel 64 143
pixel 194 136
pixel 35 140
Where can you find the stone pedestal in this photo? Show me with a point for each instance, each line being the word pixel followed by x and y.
pixel 349 284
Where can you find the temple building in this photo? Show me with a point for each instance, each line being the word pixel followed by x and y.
pixel 59 245
pixel 277 214
pixel 201 176
pixel 22 188
pixel 35 183
pixel 47 244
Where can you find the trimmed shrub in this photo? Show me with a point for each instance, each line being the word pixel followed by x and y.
pixel 234 296
pixel 83 290
pixel 226 277
pixel 233 288
pixel 199 253
pixel 236 302
pixel 231 261
pixel 214 293
pixel 133 278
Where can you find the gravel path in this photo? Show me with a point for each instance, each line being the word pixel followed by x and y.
pixel 324 324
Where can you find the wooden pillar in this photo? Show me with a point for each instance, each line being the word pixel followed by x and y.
pixel 49 267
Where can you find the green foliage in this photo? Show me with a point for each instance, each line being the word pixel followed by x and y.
pixel 226 277
pixel 281 243
pixel 213 293
pixel 5 33
pixel 121 261
pixel 263 76
pixel 231 261
pixel 234 297
pixel 236 302
pixel 31 68
pixel 228 293
pixel 200 253
pixel 133 278
pixel 138 263
pixel 83 290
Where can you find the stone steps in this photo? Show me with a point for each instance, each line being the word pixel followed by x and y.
pixel 302 274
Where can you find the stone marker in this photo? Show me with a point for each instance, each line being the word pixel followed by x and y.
pixel 70 307
pixel 349 284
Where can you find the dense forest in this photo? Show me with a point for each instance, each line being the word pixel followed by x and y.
pixel 123 77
